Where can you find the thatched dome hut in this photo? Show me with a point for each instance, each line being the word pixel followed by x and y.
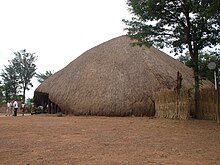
pixel 114 79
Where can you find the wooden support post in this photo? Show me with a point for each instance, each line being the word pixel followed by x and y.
pixel 218 103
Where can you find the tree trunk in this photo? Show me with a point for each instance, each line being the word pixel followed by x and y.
pixel 24 89
pixel 194 53
pixel 197 83
pixel 197 94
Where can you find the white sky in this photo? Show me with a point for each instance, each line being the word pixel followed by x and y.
pixel 57 30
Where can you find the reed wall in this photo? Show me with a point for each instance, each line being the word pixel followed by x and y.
pixel 208 104
pixel 180 105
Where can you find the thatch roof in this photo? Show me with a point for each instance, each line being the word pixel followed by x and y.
pixel 115 79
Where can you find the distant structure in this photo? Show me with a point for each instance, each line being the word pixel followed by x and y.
pixel 113 79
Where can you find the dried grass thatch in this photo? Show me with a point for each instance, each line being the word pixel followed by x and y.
pixel 173 104
pixel 208 104
pixel 114 79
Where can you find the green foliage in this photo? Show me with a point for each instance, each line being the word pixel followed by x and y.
pixel 28 105
pixel 204 59
pixel 10 81
pixel 18 74
pixel 24 64
pixel 41 77
pixel 2 98
pixel 174 23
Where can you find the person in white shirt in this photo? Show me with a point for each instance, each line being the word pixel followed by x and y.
pixel 8 110
pixel 15 105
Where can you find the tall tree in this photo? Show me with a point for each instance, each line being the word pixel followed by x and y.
pixel 24 64
pixel 10 80
pixel 41 77
pixel 178 24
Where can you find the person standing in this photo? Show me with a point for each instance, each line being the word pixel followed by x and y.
pixel 8 110
pixel 23 108
pixel 15 105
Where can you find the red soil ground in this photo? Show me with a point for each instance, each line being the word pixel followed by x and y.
pixel 48 139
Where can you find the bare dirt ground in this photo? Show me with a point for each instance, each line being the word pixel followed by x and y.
pixel 48 139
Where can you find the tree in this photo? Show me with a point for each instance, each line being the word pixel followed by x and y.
pixel 178 24
pixel 1 93
pixel 25 67
pixel 204 59
pixel 41 77
pixel 10 81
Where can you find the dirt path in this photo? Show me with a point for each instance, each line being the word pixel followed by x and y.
pixel 44 139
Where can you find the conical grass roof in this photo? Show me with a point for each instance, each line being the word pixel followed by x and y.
pixel 115 79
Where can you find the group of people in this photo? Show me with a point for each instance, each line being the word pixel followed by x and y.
pixel 12 108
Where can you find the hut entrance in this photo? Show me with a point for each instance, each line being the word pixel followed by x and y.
pixel 41 100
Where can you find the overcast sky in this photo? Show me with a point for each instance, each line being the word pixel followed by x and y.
pixel 58 31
